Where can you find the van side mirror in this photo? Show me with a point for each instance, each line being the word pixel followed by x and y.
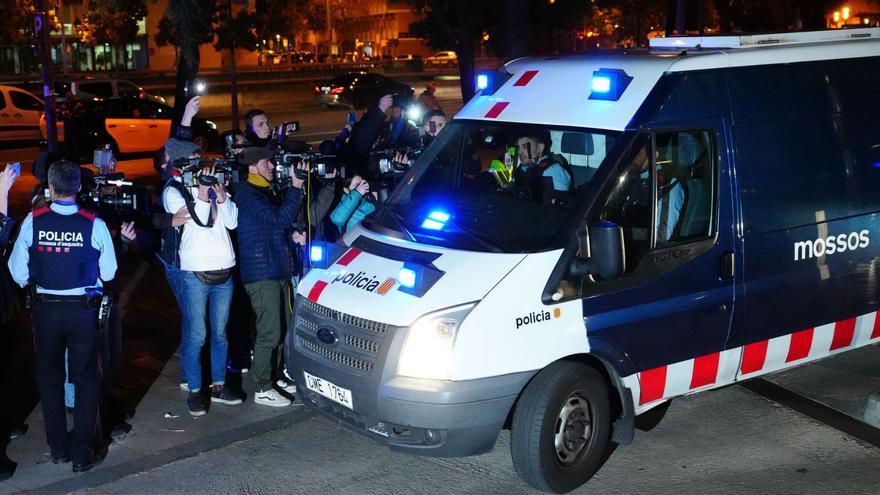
pixel 606 260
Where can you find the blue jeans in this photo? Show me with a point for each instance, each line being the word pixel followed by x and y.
pixel 200 302
pixel 173 274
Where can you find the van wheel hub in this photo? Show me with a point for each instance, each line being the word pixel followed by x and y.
pixel 573 429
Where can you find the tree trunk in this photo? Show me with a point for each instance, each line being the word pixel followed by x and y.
pixel 465 50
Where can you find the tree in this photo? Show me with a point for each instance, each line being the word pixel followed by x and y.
pixel 456 24
pixel 112 21
pixel 189 24
pixel 16 25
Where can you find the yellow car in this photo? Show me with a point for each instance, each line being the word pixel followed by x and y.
pixel 127 125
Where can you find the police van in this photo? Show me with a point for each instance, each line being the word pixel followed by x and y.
pixel 721 221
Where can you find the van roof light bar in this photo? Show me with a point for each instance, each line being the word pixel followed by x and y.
pixel 757 40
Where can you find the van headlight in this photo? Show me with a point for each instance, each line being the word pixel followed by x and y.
pixel 429 343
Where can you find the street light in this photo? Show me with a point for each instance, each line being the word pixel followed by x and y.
pixel 836 16
pixel 845 13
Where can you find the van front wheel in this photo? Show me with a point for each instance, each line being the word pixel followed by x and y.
pixel 561 427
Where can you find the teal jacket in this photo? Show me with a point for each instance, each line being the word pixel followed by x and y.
pixel 352 208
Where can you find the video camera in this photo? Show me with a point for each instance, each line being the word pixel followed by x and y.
pixel 280 132
pixel 226 171
pixel 386 163
pixel 113 197
pixel 319 164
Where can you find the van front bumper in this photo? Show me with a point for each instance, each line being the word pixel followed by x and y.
pixel 428 417
pixel 424 417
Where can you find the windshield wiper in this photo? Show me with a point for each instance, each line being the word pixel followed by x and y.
pixel 480 239
pixel 399 220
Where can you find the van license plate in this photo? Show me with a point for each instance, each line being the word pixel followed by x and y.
pixel 329 390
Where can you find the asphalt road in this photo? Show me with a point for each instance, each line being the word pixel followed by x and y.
pixel 724 442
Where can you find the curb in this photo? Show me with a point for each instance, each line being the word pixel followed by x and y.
pixel 184 451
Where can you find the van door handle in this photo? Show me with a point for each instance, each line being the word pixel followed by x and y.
pixel 4 115
pixel 153 126
pixel 727 265
pixel 18 115
pixel 112 126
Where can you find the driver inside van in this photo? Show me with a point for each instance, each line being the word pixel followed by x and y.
pixel 540 176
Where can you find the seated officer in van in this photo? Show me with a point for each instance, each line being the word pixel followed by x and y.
pixel 670 200
pixel 541 176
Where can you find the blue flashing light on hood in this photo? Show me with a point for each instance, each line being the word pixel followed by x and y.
pixel 436 220
pixel 608 84
pixel 316 254
pixel 482 81
pixel 407 277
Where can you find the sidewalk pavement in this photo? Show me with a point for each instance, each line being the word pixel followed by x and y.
pixel 155 438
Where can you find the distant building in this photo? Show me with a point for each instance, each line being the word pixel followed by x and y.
pixel 370 28
pixel 360 28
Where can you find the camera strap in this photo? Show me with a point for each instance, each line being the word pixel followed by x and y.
pixel 191 205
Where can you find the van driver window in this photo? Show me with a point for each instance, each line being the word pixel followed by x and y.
pixel 630 201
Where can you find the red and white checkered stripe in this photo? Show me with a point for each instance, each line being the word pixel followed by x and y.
pixel 651 387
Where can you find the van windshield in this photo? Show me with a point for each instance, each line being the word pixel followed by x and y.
pixel 495 186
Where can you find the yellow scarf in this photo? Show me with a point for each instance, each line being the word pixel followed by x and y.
pixel 257 180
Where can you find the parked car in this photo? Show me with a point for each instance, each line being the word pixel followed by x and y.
pixel 103 88
pixel 357 89
pixel 19 115
pixel 446 58
pixel 405 57
pixel 129 125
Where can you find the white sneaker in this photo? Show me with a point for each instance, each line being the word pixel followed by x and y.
pixel 184 386
pixel 272 398
pixel 287 386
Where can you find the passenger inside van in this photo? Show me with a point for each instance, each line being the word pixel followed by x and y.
pixel 541 175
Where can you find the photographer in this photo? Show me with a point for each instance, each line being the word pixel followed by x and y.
pixel 184 131
pixel 364 135
pixel 257 129
pixel 205 284
pixel 356 203
pixel 266 221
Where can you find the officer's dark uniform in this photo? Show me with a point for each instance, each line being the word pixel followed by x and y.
pixel 63 264
pixel 530 182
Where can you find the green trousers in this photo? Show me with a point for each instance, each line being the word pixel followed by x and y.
pixel 272 306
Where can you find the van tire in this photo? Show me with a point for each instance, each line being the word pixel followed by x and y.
pixel 565 391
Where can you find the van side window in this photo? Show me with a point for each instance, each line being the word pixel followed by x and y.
pixel 684 175
pixel 630 201
pixel 665 193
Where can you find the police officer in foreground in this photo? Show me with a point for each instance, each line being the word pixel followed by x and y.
pixel 62 255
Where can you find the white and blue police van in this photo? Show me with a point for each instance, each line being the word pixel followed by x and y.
pixel 718 219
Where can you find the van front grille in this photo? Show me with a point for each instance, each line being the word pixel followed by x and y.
pixel 353 345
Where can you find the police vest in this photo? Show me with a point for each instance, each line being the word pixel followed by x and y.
pixel 61 252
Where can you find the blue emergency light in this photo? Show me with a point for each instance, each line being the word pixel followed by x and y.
pixel 407 277
pixel 483 81
pixel 436 220
pixel 608 84
pixel 316 254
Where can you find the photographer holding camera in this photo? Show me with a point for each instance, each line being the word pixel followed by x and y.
pixel 356 203
pixel 257 129
pixel 267 265
pixel 205 285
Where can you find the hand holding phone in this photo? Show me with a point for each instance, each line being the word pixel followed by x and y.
pixel 352 118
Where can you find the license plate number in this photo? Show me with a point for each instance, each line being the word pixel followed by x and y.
pixel 329 390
